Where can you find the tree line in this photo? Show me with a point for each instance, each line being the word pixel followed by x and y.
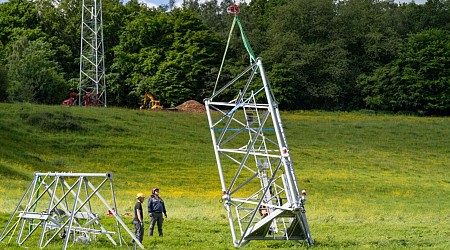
pixel 318 54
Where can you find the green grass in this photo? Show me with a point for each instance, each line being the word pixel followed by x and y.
pixel 373 180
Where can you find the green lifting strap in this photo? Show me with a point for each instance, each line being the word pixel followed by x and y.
pixel 245 41
pixel 246 44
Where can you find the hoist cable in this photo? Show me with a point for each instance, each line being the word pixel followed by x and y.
pixel 247 46
pixel 224 54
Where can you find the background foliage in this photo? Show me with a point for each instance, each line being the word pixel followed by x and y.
pixel 323 54
pixel 417 79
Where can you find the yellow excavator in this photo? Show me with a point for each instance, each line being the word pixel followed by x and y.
pixel 150 102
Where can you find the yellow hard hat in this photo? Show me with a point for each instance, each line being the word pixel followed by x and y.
pixel 140 195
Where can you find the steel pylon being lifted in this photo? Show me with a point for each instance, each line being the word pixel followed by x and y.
pixel 92 86
pixel 259 187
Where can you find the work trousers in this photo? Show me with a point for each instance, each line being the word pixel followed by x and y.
pixel 156 218
pixel 138 230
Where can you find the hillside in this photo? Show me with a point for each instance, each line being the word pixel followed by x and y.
pixel 373 180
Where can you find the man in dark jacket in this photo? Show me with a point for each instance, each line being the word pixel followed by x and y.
pixel 156 209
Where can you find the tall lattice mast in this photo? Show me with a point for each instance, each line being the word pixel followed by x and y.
pixel 259 186
pixel 92 88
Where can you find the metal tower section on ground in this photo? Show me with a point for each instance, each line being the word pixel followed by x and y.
pixel 65 207
pixel 259 187
pixel 92 87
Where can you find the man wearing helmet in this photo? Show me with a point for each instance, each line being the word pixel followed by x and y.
pixel 138 220
pixel 156 209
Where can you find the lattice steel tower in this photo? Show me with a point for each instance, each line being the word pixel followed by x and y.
pixel 92 87
pixel 259 186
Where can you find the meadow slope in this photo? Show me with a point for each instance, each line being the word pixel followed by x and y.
pixel 373 180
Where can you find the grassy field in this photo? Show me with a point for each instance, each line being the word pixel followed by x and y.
pixel 373 180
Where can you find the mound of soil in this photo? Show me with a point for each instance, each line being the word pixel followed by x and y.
pixel 192 106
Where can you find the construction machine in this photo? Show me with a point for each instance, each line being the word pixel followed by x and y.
pixel 150 102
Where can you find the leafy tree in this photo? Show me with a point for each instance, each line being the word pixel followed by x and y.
pixel 185 74
pixel 210 13
pixel 168 54
pixel 435 15
pixel 313 51
pixel 368 32
pixel 114 19
pixel 144 39
pixel 418 80
pixel 33 76
pixel 61 22
pixel 191 5
pixel 16 14
pixel 307 62
pixel 415 18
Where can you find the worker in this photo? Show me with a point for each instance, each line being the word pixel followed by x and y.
pixel 263 211
pixel 156 209
pixel 138 220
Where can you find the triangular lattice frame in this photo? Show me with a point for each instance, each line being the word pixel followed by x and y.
pixel 61 205
pixel 259 187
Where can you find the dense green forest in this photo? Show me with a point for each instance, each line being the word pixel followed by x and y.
pixel 318 54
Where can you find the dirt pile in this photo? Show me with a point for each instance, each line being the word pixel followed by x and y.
pixel 192 106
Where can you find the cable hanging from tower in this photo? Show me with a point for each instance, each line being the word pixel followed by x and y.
pixel 235 10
